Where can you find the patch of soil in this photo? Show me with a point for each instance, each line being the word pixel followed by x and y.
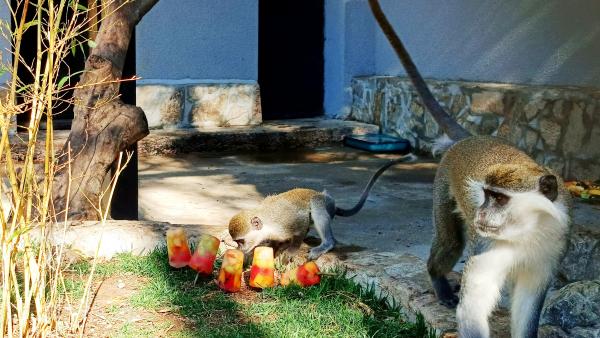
pixel 112 309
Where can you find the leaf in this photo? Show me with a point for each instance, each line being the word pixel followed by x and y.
pixel 92 43
pixel 73 47
pixel 81 7
pixel 64 79
pixel 62 82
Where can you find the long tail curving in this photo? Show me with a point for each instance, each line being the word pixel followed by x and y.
pixel 454 130
pixel 365 194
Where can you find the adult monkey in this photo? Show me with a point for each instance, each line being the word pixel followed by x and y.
pixel 511 211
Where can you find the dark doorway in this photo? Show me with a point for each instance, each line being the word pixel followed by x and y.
pixel 125 201
pixel 290 58
pixel 72 63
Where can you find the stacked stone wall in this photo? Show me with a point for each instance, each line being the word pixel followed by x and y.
pixel 185 105
pixel 558 126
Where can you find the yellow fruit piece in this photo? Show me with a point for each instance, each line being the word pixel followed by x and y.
pixel 594 192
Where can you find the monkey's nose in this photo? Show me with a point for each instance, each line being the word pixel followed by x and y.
pixel 481 216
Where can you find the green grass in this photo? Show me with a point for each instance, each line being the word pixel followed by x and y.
pixel 337 307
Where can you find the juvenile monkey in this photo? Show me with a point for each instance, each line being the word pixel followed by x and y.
pixel 511 212
pixel 282 221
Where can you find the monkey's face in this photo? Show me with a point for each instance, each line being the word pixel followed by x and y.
pixel 518 215
pixel 494 213
pixel 246 230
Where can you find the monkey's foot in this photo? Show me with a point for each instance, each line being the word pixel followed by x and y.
pixel 318 251
pixel 450 302
pixel 444 292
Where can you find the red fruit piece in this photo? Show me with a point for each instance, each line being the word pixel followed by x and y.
pixel 308 274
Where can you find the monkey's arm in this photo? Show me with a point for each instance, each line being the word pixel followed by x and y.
pixel 482 281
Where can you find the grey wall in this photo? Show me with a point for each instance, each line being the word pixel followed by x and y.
pixel 4 44
pixel 199 39
pixel 531 42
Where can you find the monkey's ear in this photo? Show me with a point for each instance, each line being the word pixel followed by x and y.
pixel 256 223
pixel 549 187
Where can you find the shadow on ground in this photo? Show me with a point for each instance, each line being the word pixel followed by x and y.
pixel 210 188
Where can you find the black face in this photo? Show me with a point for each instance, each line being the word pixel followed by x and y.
pixel 495 198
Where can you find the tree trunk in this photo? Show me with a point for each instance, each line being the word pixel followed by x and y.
pixel 103 125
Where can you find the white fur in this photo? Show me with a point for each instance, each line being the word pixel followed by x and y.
pixel 441 144
pixel 474 191
pixel 526 250
pixel 483 279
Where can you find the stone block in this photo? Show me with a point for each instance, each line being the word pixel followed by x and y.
pixel 163 104
pixel 487 102
pixel 575 131
pixel 575 307
pixel 224 104
pixel 550 131
pixel 533 108
pixel 582 260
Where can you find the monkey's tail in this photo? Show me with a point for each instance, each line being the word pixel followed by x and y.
pixel 365 194
pixel 454 130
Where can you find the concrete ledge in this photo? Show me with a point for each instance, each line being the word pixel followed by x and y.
pixel 272 135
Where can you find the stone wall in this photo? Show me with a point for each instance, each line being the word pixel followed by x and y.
pixel 182 105
pixel 557 126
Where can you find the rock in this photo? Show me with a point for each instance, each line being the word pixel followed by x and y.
pixel 163 104
pixel 591 147
pixel 547 119
pixel 533 107
pixel 582 260
pixel 575 307
pixel 489 124
pixel 550 131
pixel 585 169
pixel 487 102
pixel 224 104
pixel 575 131
pixel 531 139
pixel 558 109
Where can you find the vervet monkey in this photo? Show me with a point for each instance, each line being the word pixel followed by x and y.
pixel 282 221
pixel 511 212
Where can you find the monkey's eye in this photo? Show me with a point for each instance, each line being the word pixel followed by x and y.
pixel 500 198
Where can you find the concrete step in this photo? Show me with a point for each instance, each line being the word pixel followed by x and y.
pixel 271 135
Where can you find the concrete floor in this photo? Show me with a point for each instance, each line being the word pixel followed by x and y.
pixel 210 188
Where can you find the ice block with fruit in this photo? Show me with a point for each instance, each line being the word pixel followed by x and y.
pixel 203 258
pixel 177 247
pixel 304 275
pixel 230 275
pixel 262 273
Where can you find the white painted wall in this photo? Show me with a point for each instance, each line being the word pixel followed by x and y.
pixel 550 42
pixel 199 39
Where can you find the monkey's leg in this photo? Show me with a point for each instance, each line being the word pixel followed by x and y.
pixel 321 217
pixel 292 250
pixel 528 297
pixel 483 277
pixel 448 243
